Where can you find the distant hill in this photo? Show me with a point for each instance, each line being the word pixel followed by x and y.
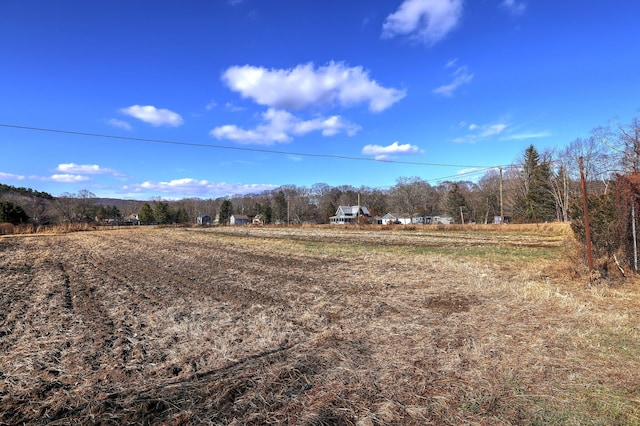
pixel 28 192
pixel 126 207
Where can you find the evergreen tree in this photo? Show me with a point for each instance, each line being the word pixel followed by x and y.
pixel 279 207
pixel 226 210
pixel 145 215
pixel 182 216
pixel 455 202
pixel 266 212
pixel 12 213
pixel 107 212
pixel 540 196
pixel 162 213
pixel 536 202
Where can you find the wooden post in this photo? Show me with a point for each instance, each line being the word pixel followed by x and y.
pixel 587 230
pixel 634 233
pixel 501 204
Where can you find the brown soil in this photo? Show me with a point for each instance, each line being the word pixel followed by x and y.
pixel 166 326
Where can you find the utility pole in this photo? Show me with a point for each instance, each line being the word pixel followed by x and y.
pixel 501 205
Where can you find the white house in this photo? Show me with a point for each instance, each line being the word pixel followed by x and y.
pixel 350 214
pixel 443 220
pixel 238 219
pixel 258 219
pixel 391 218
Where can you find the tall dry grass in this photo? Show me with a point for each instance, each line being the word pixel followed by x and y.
pixel 310 326
pixel 64 228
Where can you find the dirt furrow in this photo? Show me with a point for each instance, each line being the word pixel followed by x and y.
pixel 169 326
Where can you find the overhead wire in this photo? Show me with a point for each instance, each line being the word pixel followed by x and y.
pixel 477 168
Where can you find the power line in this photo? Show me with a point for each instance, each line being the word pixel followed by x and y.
pixel 235 148
pixel 469 173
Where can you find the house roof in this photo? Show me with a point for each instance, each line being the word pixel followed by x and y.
pixel 391 216
pixel 401 215
pixel 240 216
pixel 352 211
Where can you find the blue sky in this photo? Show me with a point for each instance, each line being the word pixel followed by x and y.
pixel 254 94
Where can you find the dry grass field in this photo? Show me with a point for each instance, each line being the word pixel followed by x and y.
pixel 313 326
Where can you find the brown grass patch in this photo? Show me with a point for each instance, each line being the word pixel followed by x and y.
pixel 309 326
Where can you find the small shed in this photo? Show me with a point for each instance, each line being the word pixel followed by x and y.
pixel 239 219
pixel 204 219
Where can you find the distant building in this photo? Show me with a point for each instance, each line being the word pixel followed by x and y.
pixel 350 214
pixel 421 220
pixel 204 220
pixel 395 218
pixel 258 219
pixel 132 219
pixel 442 220
pixel 238 219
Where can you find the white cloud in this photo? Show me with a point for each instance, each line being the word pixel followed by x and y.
pixel 279 126
pixel 492 130
pixel 120 124
pixel 211 105
pixel 233 108
pixel 427 21
pixel 154 116
pixel 514 7
pixel 451 63
pixel 306 86
pixel 10 176
pixel 479 132
pixel 460 76
pixel 68 178
pixel 385 151
pixel 469 171
pixel 523 136
pixel 86 169
pixel 196 187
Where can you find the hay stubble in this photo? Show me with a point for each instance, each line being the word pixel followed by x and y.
pixel 306 326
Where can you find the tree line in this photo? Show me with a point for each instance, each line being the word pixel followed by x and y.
pixel 540 186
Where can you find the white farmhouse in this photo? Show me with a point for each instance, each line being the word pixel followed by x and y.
pixel 350 214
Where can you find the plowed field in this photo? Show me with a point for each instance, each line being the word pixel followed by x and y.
pixel 317 326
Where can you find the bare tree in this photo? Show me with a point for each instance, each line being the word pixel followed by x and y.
pixel 561 187
pixel 325 199
pixel 411 195
pixel 348 195
pixel 489 191
pixel 623 144
pixel 375 200
pixel 65 205
pixel 75 207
